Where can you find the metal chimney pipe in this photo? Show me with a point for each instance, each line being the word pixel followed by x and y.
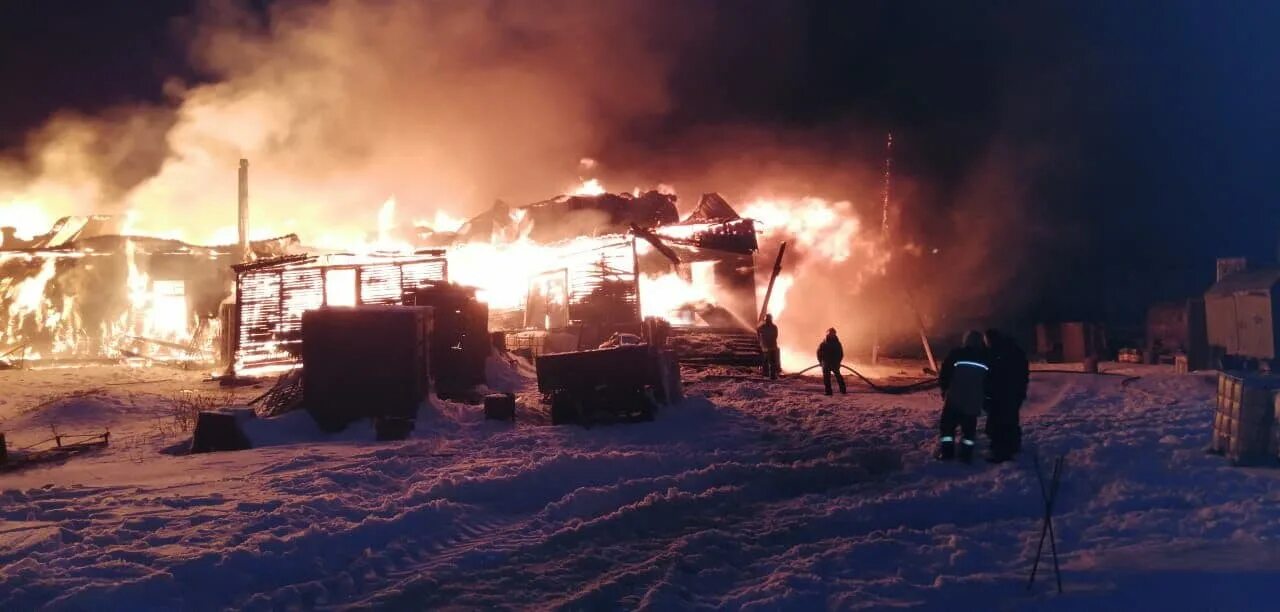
pixel 243 219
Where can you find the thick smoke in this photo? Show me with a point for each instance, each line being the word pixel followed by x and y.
pixel 968 254
pixel 340 105
pixel 448 106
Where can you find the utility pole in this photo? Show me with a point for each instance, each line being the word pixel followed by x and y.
pixel 884 229
pixel 242 219
pixel 888 175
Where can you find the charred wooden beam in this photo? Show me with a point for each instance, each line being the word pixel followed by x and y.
pixel 657 243
pixel 777 269
pixel 272 263
pixel 169 345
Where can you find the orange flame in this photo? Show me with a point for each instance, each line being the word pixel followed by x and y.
pixel 502 268
pixel 589 187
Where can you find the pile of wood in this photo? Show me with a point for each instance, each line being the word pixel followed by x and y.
pixel 284 396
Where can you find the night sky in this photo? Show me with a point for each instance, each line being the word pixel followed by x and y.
pixel 1156 122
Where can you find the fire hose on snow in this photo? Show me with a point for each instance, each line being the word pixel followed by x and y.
pixel 923 385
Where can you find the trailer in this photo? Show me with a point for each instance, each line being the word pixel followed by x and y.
pixel 621 383
pixel 1240 313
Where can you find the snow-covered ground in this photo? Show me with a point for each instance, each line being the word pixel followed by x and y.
pixel 751 494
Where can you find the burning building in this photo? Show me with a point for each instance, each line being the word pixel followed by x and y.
pixel 88 290
pixel 560 274
pixel 566 273
pixel 271 296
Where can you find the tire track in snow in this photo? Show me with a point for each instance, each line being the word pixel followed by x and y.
pixel 772 503
pixel 635 521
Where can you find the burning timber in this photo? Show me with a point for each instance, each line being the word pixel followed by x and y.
pixel 84 291
pixel 633 258
pixel 596 265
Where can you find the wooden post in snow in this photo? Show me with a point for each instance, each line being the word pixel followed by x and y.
pixel 635 277
pixel 768 293
pixel 924 339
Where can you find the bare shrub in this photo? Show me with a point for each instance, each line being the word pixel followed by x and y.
pixel 187 404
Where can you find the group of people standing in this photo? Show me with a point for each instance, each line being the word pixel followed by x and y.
pixel 985 374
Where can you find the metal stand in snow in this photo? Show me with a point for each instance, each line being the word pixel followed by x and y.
pixel 1048 495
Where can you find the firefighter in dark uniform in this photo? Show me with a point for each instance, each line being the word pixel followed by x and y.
pixel 830 354
pixel 963 380
pixel 1007 390
pixel 768 335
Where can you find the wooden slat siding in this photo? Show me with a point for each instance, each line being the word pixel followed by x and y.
pixel 584 274
pixel 272 299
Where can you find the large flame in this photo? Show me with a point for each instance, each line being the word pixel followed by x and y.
pixel 339 108
pixel 830 229
pixel 823 233
pixel 151 316
pixel 589 187
pixel 29 219
pixel 441 222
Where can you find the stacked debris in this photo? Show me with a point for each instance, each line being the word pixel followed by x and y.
pixel 66 231
pixel 284 396
pixel 568 217
pixel 714 225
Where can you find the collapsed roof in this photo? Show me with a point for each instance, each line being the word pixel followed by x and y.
pixel 712 208
pixel 65 231
pixel 714 224
pixel 103 233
